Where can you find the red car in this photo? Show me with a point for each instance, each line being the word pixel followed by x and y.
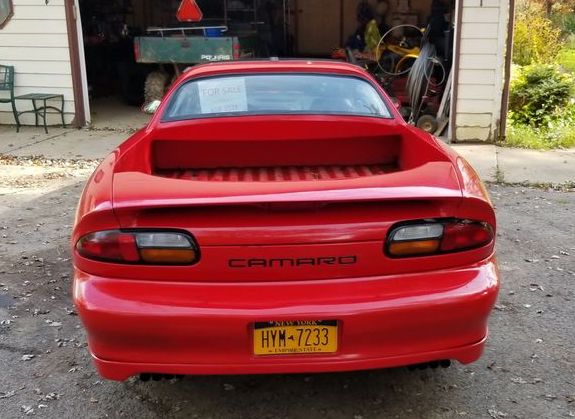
pixel 281 217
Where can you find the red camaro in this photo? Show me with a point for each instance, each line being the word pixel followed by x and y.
pixel 279 217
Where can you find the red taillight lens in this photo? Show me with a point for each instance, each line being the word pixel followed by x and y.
pixel 435 237
pixel 146 247
pixel 465 235
pixel 109 245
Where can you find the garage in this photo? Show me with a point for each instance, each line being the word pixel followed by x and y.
pixel 113 47
pixel 134 49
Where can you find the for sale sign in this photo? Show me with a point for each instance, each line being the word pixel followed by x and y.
pixel 221 95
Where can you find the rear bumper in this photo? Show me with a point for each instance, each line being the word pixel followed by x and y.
pixel 202 328
pixel 114 370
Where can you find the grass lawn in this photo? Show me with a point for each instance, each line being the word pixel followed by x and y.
pixel 566 59
pixel 522 136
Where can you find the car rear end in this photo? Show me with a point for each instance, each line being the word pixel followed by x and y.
pixel 275 245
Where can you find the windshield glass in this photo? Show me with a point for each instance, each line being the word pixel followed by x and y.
pixel 268 94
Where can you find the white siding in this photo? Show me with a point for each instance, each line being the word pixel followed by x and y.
pixel 35 42
pixel 481 68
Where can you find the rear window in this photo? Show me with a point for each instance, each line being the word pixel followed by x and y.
pixel 268 94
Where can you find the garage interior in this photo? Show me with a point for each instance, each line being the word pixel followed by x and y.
pixel 118 82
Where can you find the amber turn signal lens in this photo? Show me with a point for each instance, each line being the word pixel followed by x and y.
pixel 409 248
pixel 168 256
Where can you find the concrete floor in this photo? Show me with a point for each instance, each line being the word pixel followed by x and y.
pixel 113 122
pixel 518 166
pixel 110 113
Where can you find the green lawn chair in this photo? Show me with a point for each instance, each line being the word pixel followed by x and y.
pixel 7 85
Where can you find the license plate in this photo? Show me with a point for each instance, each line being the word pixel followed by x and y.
pixel 295 337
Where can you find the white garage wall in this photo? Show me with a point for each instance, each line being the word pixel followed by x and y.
pixel 481 69
pixel 35 42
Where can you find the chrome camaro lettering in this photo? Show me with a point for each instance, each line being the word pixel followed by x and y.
pixel 292 262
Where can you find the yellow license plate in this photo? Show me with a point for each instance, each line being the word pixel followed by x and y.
pixel 295 337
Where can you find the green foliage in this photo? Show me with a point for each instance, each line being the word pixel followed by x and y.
pixel 536 38
pixel 541 108
pixel 565 21
pixel 556 136
pixel 539 95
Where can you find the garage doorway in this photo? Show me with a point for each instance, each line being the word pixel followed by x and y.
pixel 124 64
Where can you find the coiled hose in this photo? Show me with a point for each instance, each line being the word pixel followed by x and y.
pixel 419 78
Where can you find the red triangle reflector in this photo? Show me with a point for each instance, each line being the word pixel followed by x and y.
pixel 189 11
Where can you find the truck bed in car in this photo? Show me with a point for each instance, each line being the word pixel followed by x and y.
pixel 233 160
pixel 280 173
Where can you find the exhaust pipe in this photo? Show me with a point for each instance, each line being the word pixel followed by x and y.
pixel 147 376
pixel 443 363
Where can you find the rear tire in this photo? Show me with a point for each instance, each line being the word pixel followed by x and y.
pixel 155 86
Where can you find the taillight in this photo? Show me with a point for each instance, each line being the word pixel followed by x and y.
pixel 465 235
pixel 145 247
pixel 415 239
pixel 435 237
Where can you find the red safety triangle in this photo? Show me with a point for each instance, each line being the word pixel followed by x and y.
pixel 189 11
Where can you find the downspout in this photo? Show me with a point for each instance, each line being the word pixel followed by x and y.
pixel 507 82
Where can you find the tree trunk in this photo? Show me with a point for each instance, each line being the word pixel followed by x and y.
pixel 548 7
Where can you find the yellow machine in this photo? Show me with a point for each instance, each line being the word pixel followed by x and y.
pixel 379 51
pixel 407 54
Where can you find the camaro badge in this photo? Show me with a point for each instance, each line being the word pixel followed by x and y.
pixel 292 262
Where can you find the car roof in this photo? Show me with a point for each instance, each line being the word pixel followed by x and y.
pixel 273 66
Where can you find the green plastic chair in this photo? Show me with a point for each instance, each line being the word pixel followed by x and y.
pixel 7 85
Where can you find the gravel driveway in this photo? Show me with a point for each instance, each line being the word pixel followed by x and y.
pixel 528 369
